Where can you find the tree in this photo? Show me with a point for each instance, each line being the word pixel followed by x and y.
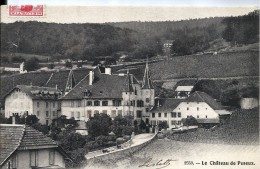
pixel 142 125
pixel 32 64
pixel 122 125
pixel 163 125
pixel 99 124
pixel 68 64
pixel 190 121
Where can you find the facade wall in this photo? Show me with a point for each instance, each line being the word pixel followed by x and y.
pixel 199 110
pixel 80 110
pixel 18 102
pixel 46 110
pixel 22 159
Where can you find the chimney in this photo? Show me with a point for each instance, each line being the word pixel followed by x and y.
pixel 108 70
pixel 91 77
pixel 13 119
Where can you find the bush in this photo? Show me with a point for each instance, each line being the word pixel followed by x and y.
pixel 190 121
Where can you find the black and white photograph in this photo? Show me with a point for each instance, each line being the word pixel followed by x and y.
pixel 128 85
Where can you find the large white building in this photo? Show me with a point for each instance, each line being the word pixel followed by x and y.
pixel 200 105
pixel 113 94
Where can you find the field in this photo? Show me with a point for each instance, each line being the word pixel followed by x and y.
pixel 243 128
pixel 230 64
pixel 184 151
pixel 237 141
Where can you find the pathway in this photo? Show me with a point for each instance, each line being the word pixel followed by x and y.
pixel 137 140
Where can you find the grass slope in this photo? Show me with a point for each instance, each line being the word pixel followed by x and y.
pixel 242 129
pixel 220 65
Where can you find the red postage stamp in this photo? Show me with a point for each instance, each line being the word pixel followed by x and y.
pixel 26 10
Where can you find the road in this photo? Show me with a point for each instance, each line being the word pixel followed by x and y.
pixel 138 139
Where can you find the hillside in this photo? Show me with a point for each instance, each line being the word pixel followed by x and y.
pixel 243 128
pixel 228 64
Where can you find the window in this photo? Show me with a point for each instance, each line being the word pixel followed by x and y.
pixel 47 122
pixel 198 108
pixel 135 91
pixel 72 114
pixel 138 114
pixel 51 157
pixel 38 113
pixel 140 103
pixel 72 103
pixel 53 104
pixel 96 103
pixel 173 122
pixel 159 114
pixel 47 104
pixel 206 116
pixel 104 111
pixel 173 114
pixel 120 112
pixel 14 161
pixel 187 108
pixel 78 115
pixel 104 103
pixel 89 103
pixel 198 116
pixel 96 111
pixel 79 103
pixel 59 104
pixel 116 102
pixel 34 158
pixel 54 113
pixel 147 109
pixel 178 122
pixel 113 113
pixel 179 114
pixel 153 114
pixel 89 113
pixel 133 102
pixel 47 113
pixel 165 114
pixel 147 100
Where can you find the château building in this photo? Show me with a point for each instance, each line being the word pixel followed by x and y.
pixel 113 94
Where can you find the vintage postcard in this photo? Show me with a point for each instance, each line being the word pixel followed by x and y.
pixel 129 85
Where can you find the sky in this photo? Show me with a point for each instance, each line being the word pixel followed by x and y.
pixel 220 3
pixel 100 11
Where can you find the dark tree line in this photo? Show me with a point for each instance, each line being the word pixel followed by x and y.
pixel 242 29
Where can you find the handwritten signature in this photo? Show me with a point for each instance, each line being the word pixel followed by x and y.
pixel 158 164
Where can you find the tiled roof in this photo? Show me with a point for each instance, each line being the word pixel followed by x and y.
pixel 198 96
pixel 34 78
pixel 36 92
pixel 10 138
pixel 186 82
pixel 19 137
pixel 147 82
pixel 40 79
pixel 166 104
pixel 61 78
pixel 184 88
pixel 104 86
pixel 169 104
pixel 33 139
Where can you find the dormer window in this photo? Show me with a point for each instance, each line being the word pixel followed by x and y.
pixel 87 93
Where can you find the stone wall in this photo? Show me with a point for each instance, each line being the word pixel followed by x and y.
pixel 119 154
